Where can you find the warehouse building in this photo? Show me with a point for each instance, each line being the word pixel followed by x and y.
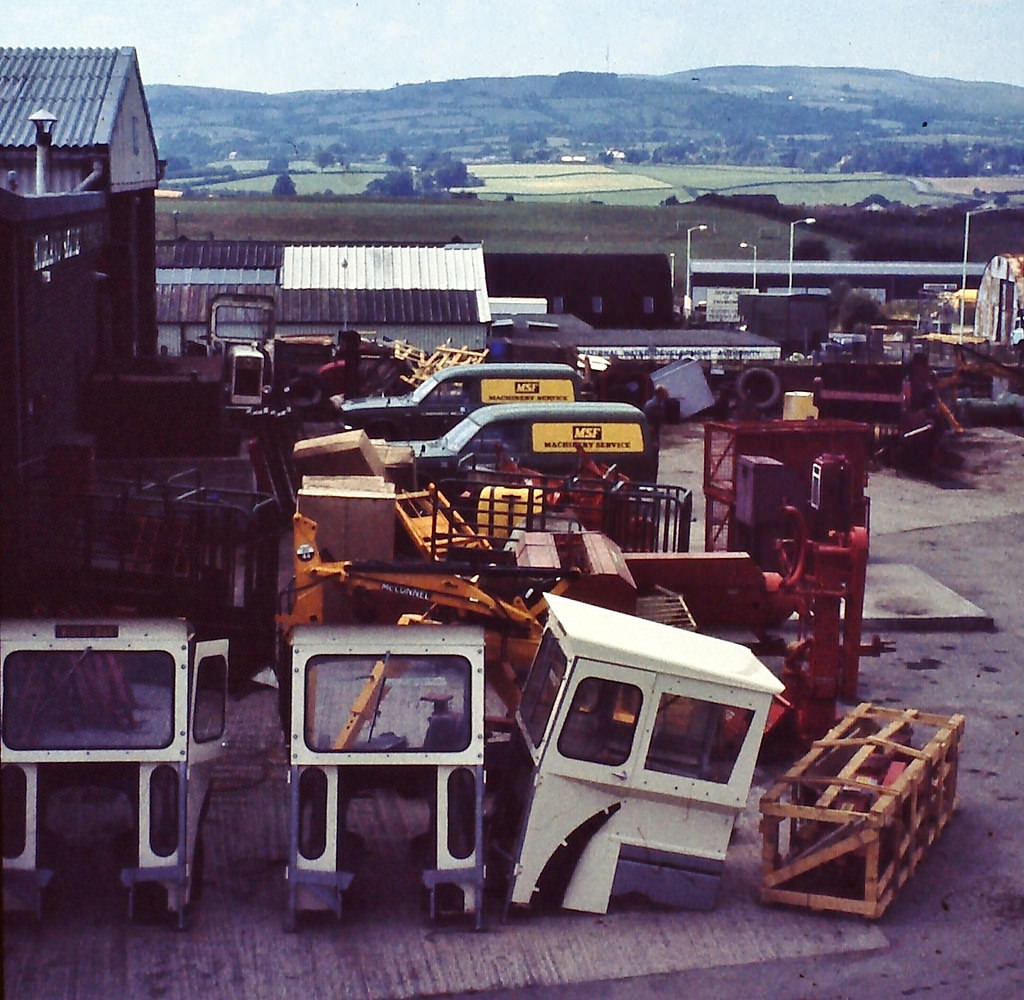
pixel 423 295
pixel 78 172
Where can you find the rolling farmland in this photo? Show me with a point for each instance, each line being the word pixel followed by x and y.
pixel 636 184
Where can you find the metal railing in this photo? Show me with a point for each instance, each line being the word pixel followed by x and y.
pixel 638 517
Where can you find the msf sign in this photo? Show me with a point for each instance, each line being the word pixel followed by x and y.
pixel 527 388
pixel 586 433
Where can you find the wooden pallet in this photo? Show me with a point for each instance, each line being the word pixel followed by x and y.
pixel 848 824
pixel 423 366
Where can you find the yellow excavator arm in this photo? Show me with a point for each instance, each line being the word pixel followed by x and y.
pixel 513 627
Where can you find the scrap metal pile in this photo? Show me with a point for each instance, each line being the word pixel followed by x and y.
pixel 521 653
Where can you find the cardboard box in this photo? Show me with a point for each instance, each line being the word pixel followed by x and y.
pixel 349 453
pixel 399 464
pixel 355 520
pixel 348 484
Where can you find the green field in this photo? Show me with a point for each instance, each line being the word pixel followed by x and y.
pixel 650 184
pixel 507 227
pixel 636 185
pixel 595 223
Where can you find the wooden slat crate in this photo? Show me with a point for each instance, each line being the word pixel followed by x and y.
pixel 848 824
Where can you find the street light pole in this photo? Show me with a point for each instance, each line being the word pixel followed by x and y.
pixel 963 277
pixel 689 233
pixel 809 221
pixel 753 247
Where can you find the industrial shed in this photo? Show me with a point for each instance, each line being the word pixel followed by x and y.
pixel 75 121
pixel 425 295
pixel 1000 308
pixel 78 171
pixel 603 289
pixel 192 275
pixel 886 280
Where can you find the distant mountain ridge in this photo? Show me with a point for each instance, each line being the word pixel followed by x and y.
pixel 809 118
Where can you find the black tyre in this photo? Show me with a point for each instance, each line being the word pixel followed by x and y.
pixel 760 387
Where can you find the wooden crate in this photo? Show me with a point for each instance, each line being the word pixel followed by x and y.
pixel 848 824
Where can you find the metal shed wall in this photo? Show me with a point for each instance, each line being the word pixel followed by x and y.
pixel 1000 299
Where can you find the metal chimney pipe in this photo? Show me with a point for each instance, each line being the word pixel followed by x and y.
pixel 44 121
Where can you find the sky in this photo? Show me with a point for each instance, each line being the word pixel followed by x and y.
pixel 278 46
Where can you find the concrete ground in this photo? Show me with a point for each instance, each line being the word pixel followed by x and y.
pixel 956 930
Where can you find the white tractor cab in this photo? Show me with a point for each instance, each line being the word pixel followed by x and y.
pixel 246 375
pixel 642 740
pixel 242 330
pixel 390 707
pixel 111 728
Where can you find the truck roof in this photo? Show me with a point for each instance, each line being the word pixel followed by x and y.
pixel 617 637
pixel 508 369
pixel 581 411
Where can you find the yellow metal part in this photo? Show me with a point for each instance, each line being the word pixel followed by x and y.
pixel 501 508
pixel 363 707
pixel 434 525
pixel 513 627
pixel 434 586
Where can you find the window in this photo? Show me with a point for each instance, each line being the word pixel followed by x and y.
pixel 387 703
pixel 648 305
pixel 453 392
pixel 497 442
pixel 601 721
pixel 597 305
pixel 542 685
pixel 697 739
pixel 88 699
pixel 424 389
pixel 210 700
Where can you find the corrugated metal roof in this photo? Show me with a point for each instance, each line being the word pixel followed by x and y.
pixel 453 268
pixel 178 303
pixel 378 306
pixel 909 268
pixel 219 253
pixel 81 87
pixel 191 303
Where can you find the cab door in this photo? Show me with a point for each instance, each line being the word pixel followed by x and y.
pixel 208 702
pixel 582 783
pixel 207 728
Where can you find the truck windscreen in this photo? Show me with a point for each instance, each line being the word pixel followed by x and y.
pixel 88 699
pixel 387 703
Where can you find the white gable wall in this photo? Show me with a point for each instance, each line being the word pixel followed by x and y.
pixel 133 155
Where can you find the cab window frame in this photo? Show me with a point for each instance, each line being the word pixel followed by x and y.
pixel 601 722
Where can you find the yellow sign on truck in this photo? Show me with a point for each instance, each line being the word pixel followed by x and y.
pixel 527 390
pixel 613 437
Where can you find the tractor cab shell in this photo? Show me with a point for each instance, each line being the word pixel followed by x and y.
pixel 643 739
